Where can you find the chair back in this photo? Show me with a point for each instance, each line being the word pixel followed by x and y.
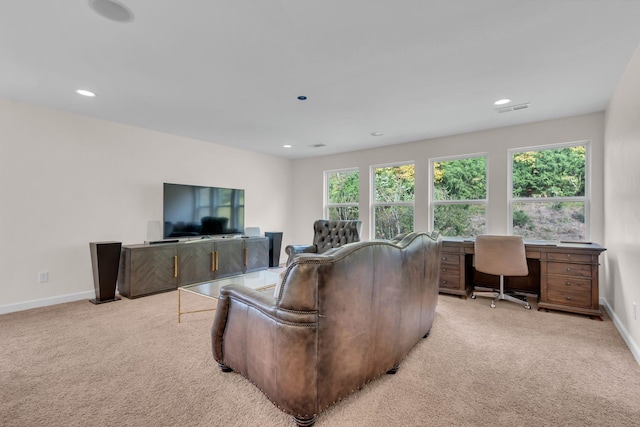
pixel 501 255
pixel 330 234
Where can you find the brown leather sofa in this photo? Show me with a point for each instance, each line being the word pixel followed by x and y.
pixel 335 322
pixel 327 234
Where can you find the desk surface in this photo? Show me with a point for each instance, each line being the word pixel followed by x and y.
pixel 537 243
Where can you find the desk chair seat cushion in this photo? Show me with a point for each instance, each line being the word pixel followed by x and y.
pixel 501 255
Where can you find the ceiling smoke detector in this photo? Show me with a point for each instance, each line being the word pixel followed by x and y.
pixel 513 108
pixel 112 10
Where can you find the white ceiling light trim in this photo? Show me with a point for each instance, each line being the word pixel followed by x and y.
pixel 502 101
pixel 85 93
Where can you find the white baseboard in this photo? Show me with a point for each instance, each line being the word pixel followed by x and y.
pixel 633 346
pixel 44 302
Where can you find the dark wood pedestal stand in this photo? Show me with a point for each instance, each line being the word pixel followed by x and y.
pixel 105 261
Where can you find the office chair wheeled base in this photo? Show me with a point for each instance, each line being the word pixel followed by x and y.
pixel 500 296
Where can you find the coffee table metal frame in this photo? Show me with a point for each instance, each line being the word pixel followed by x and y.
pixel 259 280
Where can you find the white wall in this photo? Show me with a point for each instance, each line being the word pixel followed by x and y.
pixel 622 204
pixel 309 185
pixel 67 180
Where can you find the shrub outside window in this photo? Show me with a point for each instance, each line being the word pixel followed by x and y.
pixel 393 200
pixel 342 194
pixel 550 192
pixel 459 195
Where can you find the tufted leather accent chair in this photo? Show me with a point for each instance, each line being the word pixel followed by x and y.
pixel 338 321
pixel 327 234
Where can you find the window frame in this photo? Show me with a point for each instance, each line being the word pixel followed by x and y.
pixel 431 182
pixel 327 204
pixel 586 199
pixel 372 196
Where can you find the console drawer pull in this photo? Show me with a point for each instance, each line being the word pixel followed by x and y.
pixel 175 266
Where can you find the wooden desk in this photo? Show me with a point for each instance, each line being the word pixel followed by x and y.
pixel 563 275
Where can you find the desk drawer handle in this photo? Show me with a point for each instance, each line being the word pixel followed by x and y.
pixel 568 298
pixel 444 258
pixel 444 282
pixel 444 269
pixel 568 269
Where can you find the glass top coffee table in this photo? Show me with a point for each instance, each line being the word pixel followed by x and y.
pixel 258 280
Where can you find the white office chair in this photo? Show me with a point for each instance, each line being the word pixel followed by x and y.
pixel 501 256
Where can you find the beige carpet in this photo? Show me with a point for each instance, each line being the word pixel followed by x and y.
pixel 129 363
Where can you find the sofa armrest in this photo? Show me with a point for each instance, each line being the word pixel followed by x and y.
pixel 293 250
pixel 274 348
pixel 300 249
pixel 261 301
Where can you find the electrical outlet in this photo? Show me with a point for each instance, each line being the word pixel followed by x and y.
pixel 43 277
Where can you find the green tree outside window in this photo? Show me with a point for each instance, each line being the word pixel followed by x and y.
pixel 549 196
pixel 342 194
pixel 459 196
pixel 394 188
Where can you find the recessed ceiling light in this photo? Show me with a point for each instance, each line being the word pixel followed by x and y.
pixel 302 98
pixel 85 93
pixel 112 10
pixel 502 101
pixel 377 134
pixel 287 146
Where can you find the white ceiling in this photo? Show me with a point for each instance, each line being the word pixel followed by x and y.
pixel 230 71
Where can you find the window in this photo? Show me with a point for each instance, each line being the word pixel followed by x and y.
pixel 550 192
pixel 393 200
pixel 342 194
pixel 459 195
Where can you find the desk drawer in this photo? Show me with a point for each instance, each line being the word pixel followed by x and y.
pixel 567 269
pixel 449 270
pixel 450 281
pixel 449 259
pixel 574 292
pixel 553 256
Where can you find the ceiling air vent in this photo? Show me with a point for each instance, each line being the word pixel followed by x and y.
pixel 513 108
pixel 318 145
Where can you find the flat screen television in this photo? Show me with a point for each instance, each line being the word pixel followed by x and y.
pixel 192 210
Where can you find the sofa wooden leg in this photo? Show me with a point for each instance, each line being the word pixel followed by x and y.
pixel 305 422
pixel 224 368
pixel 427 334
pixel 393 370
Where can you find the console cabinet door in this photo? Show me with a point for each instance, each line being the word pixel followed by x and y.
pixel 256 254
pixel 196 262
pixel 148 270
pixel 230 257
